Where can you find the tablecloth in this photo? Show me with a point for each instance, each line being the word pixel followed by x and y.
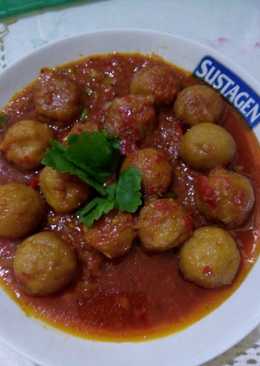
pixel 232 27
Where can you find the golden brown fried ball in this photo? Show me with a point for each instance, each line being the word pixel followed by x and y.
pixel 225 196
pixel 206 146
pixel 21 210
pixel 63 192
pixel 44 264
pixel 199 104
pixel 25 143
pixel 163 224
pixel 210 258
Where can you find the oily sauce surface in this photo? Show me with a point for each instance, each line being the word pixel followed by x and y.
pixel 140 295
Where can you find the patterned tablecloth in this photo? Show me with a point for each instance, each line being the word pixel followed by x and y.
pixel 232 27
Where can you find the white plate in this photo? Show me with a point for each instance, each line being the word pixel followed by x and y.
pixel 200 342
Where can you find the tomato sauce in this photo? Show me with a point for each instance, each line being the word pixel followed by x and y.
pixel 140 295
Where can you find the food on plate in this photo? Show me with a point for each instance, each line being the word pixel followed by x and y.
pixel 155 170
pixel 25 143
pixel 80 127
pixel 56 98
pixel 159 81
pixel 44 264
pixel 210 258
pixel 207 146
pixel 167 136
pixel 128 197
pixel 22 210
pixel 132 115
pixel 163 224
pixel 63 192
pixel 199 104
pixel 225 196
pixel 112 235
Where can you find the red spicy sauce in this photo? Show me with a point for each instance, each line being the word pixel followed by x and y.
pixel 140 295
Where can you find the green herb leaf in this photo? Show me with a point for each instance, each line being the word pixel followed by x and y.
pixel 95 210
pixel 128 191
pixel 111 191
pixel 124 195
pixel 115 143
pixel 95 150
pixel 56 158
pixel 93 157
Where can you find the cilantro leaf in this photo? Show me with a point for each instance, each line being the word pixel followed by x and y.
pixel 56 157
pixel 95 150
pixel 124 195
pixel 94 210
pixel 115 143
pixel 111 191
pixel 59 162
pixel 93 157
pixel 128 191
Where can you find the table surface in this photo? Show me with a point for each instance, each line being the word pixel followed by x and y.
pixel 232 27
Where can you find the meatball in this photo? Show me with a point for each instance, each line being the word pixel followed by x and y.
pixel 225 196
pixel 56 97
pixel 44 264
pixel 112 235
pixel 163 224
pixel 21 210
pixel 207 146
pixel 198 104
pixel 63 192
pixel 130 117
pixel 25 142
pixel 154 168
pixel 210 258
pixel 84 127
pixel 158 81
pixel 166 137
pixel 79 128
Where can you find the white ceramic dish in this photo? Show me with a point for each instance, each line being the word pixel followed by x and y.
pixel 193 346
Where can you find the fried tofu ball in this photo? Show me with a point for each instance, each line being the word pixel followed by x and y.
pixel 207 146
pixel 56 97
pixel 154 167
pixel 44 264
pixel 158 81
pixel 25 143
pixel 210 258
pixel 21 210
pixel 225 196
pixel 130 117
pixel 111 235
pixel 163 224
pixel 199 104
pixel 63 192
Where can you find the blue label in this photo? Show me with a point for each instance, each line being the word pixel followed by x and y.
pixel 235 90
